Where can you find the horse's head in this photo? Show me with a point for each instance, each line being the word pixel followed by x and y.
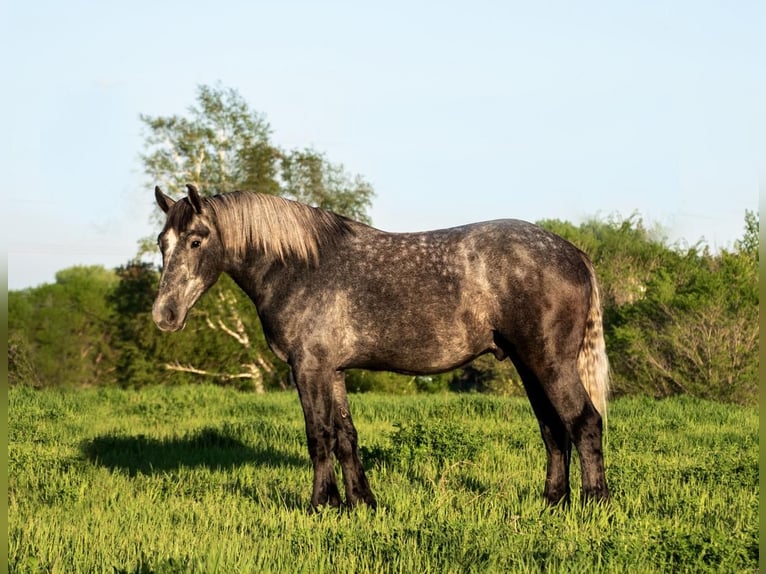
pixel 191 258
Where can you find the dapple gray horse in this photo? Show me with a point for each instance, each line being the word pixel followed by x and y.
pixel 334 294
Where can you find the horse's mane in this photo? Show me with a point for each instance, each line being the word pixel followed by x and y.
pixel 276 226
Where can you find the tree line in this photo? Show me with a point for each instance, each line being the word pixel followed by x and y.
pixel 677 319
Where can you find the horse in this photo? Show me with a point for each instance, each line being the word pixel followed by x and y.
pixel 335 294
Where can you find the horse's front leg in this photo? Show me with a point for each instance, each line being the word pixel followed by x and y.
pixel 347 449
pixel 315 391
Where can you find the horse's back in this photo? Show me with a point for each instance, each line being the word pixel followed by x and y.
pixel 486 260
pixel 434 300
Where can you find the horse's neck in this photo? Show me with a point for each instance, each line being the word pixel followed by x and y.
pixel 264 281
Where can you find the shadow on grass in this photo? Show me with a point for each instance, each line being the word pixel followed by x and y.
pixel 208 447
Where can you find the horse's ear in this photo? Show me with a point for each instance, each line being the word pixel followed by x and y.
pixel 163 200
pixel 194 198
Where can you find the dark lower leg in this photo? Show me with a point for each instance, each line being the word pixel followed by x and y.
pixel 582 423
pixel 346 449
pixel 559 449
pixel 320 434
pixel 587 437
pixel 325 488
pixel 558 445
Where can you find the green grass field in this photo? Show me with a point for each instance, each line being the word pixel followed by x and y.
pixel 204 479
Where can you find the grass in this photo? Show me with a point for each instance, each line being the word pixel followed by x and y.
pixel 205 479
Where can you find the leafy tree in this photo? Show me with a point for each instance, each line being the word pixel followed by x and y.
pixel 222 145
pixel 308 177
pixel 136 338
pixel 748 245
pixel 21 367
pixel 61 331
pixel 695 332
pixel 487 375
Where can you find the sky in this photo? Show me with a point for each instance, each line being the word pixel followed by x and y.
pixel 453 111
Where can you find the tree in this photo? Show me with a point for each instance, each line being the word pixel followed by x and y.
pixel 308 177
pixel 676 321
pixel 222 145
pixel 136 339
pixel 748 245
pixel 61 332
pixel 695 331
pixel 21 367
pixel 218 147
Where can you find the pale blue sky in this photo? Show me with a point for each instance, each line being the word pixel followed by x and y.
pixel 454 111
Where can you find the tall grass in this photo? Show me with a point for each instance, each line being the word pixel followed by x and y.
pixel 204 479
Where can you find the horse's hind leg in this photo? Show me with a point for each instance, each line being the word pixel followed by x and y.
pixel 558 445
pixel 315 391
pixel 567 416
pixel 583 424
pixel 346 447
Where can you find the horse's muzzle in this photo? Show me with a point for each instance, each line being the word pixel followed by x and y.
pixel 167 317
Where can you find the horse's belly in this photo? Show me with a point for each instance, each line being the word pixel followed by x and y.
pixel 421 349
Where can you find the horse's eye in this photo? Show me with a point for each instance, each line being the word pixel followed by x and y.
pixel 195 244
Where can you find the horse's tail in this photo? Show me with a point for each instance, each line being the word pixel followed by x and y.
pixel 592 362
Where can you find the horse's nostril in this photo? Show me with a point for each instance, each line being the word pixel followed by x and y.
pixel 165 316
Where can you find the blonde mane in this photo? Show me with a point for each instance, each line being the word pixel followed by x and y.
pixel 276 226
